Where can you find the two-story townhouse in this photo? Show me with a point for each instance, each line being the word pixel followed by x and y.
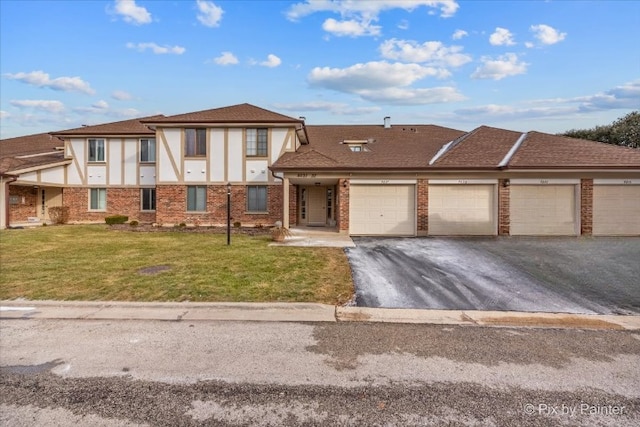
pixel 364 179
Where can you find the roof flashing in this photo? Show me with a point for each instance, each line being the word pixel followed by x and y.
pixel 507 158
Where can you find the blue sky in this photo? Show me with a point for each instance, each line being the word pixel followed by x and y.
pixel 523 65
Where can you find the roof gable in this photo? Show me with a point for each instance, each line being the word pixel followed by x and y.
pixel 240 113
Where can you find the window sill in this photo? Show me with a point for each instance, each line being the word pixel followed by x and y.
pixel 97 210
pixel 257 157
pixel 147 163
pixel 199 156
pixel 197 212
pixel 100 162
pixel 256 213
pixel 147 211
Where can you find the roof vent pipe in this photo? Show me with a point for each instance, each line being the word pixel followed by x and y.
pixel 387 122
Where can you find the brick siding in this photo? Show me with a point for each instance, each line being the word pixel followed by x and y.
pixel 171 206
pixel 423 207
pixel 586 206
pixel 343 205
pixel 27 205
pixel 504 206
pixel 293 205
pixel 120 201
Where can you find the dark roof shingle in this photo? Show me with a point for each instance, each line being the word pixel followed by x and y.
pixel 241 113
pixel 124 127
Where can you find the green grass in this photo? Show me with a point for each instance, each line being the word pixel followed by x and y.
pixel 94 262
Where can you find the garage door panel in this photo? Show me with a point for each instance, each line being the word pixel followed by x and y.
pixel 543 210
pixel 377 210
pixel 616 210
pixel 461 210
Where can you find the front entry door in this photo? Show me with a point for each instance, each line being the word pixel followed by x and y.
pixel 47 198
pixel 317 205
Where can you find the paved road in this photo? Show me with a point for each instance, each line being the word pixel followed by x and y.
pixel 567 275
pixel 130 373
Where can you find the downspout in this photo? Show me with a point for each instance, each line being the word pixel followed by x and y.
pixel 12 178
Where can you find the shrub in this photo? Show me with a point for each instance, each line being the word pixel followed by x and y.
pixel 134 223
pixel 182 225
pixel 237 224
pixel 116 219
pixel 258 225
pixel 59 214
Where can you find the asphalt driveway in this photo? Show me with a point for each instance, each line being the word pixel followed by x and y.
pixel 561 275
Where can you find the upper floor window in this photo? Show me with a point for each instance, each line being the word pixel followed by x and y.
pixel 96 150
pixel 257 143
pixel 148 150
pixel 195 142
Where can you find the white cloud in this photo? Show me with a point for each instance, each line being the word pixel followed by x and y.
pixel 42 79
pixel 501 37
pixel 351 28
pixel 4 114
pixel 132 13
pixel 547 35
pixel 121 95
pixel 458 34
pixel 528 45
pixel 272 61
pixel 403 25
pixel 432 52
pixel 384 82
pixel 335 108
pixel 625 96
pixel 497 69
pixel 226 58
pixel 157 49
pixel 42 105
pixel 100 105
pixel 369 9
pixel 210 15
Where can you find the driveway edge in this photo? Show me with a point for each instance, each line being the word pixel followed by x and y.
pixel 303 312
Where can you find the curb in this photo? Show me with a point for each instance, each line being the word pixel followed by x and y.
pixel 304 312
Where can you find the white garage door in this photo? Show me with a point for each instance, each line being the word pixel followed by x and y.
pixel 543 210
pixel 377 210
pixel 616 210
pixel 462 210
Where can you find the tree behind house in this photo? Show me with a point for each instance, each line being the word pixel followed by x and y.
pixel 624 131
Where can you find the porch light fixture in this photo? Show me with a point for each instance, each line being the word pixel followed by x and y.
pixel 228 213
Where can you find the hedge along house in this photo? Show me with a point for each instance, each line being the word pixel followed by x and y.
pixel 427 180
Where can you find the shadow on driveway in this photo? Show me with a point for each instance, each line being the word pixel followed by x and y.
pixel 560 275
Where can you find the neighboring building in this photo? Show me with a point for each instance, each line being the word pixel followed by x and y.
pixel 363 179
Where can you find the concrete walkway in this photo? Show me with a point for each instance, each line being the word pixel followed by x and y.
pixel 303 312
pixel 325 237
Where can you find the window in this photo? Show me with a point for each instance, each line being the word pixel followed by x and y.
pixel 96 150
pixel 195 142
pixel 356 148
pixel 257 145
pixel 197 198
pixel 148 150
pixel 148 196
pixel 257 198
pixel 98 199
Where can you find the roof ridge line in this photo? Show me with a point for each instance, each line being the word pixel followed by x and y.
pixel 507 158
pixel 449 145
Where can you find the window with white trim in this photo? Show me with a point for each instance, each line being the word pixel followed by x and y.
pixel 257 198
pixel 257 142
pixel 96 150
pixel 197 198
pixel 98 199
pixel 148 150
pixel 148 198
pixel 195 142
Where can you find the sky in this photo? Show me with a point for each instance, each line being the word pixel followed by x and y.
pixel 549 66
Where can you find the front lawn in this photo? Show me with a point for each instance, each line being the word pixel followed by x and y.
pixel 94 262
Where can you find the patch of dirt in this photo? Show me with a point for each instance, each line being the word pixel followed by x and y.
pixel 557 322
pixel 148 228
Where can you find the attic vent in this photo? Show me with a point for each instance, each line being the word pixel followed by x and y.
pixel 387 122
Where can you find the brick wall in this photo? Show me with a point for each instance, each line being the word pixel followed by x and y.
pixel 343 205
pixel 586 206
pixel 504 206
pixel 27 203
pixel 293 205
pixel 120 201
pixel 423 207
pixel 171 206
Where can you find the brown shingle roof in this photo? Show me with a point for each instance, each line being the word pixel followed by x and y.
pixel 12 151
pixel 542 150
pixel 241 113
pixel 483 147
pixel 399 147
pixel 125 127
